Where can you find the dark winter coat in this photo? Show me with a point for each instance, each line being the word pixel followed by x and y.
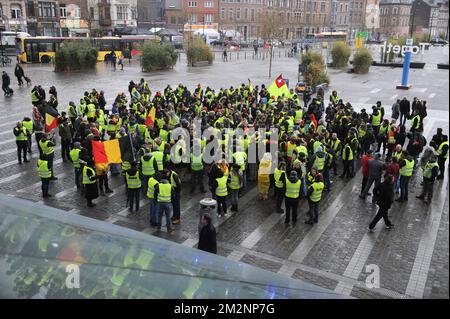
pixel 207 239
pixel 384 194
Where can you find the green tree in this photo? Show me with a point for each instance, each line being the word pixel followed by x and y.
pixel 315 69
pixel 197 51
pixel 340 54
pixel 157 57
pixel 75 56
pixel 362 60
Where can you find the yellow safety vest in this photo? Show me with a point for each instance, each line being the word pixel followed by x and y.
pixel 407 169
pixel 428 168
pixel 159 157
pixel 75 157
pixel 221 189
pixel 46 150
pixel 165 193
pixel 319 163
pixel 376 119
pixel 196 162
pixel 277 175
pixel 133 181
pixel 43 170
pixel 23 134
pixel 234 181
pixel 147 166
pixel 290 149
pixel 151 187
pixel 439 151
pixel 298 116
pixel 292 189
pixel 317 191
pixel 239 157
pixel 417 125
pixel 350 157
pixel 86 179
pixel 126 166
pixel 29 125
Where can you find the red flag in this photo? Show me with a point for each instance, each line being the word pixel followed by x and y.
pixel 151 117
pixel 279 81
pixel 51 122
pixel 313 119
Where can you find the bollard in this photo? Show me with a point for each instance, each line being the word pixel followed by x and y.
pixel 238 55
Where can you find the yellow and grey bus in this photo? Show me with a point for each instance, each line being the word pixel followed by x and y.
pixel 43 49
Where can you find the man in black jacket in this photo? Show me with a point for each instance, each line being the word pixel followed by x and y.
pixel 385 197
pixel 207 239
pixel 405 109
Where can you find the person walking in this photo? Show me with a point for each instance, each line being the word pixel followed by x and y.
pixel 45 174
pixel 90 183
pixel 207 239
pixel 385 197
pixel 395 111
pixel 442 153
pixel 164 197
pixel 406 170
pixel 430 172
pixel 225 55
pixel 365 168
pixel 21 141
pixel 375 172
pixel 6 81
pixel 314 197
pixel 292 186
pixel 134 187
pixel 19 74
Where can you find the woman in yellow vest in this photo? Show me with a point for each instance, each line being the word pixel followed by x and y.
pixel 219 188
pixel 89 180
pixel 314 198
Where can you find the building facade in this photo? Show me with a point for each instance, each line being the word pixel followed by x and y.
pixel 394 17
pixel 201 11
pixel 372 21
pixel 342 15
pixel 74 18
pixel 13 15
pixel 243 16
pixel 173 14
pixel 108 17
pixel 150 13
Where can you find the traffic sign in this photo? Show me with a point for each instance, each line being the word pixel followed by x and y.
pixel 358 43
pixel 362 34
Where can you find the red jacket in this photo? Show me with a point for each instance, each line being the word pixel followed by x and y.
pixel 365 164
pixel 393 170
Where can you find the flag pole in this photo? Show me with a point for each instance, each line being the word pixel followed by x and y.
pixel 132 148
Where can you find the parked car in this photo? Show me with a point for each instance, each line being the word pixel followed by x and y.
pixel 243 44
pixel 216 42
pixel 438 42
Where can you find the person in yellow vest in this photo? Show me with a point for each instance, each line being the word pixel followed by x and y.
pixel 47 147
pixel 234 184
pixel 160 159
pixel 151 194
pixel 197 169
pixel 240 158
pixel 347 159
pixel 45 174
pixel 279 177
pixel 29 125
pixel 219 189
pixel 164 196
pixel 375 120
pixel 430 172
pixel 442 153
pixel 416 122
pixel 292 186
pixel 134 184
pixel 21 141
pixel 314 197
pixel 406 171
pixel 74 156
pixel 147 168
pixel 90 183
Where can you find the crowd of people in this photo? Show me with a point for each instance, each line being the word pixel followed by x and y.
pixel 314 146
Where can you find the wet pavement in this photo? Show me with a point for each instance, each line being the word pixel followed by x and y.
pixel 338 253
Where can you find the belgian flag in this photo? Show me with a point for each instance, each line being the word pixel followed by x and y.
pixel 113 151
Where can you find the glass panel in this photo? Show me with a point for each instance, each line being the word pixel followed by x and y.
pixel 44 251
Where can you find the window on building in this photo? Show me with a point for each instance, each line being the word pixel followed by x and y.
pixel 133 13
pixel 209 4
pixel 297 16
pixel 173 20
pixel 395 10
pixel 193 18
pixel 16 11
pixel 270 3
pixel 91 12
pixel 47 9
pixel 238 13
pixel 76 13
pixel 122 12
pixel 252 15
pixel 208 18
pixel 192 4
pixel 62 11
pixel 246 14
pixel 288 4
pixel 322 7
pixel 298 4
pixel 281 3
pixel 180 20
pixel 222 13
pixel 230 14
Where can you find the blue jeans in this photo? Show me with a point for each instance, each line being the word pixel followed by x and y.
pixel 326 177
pixel 303 187
pixel 404 182
pixel 165 208
pixel 154 212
